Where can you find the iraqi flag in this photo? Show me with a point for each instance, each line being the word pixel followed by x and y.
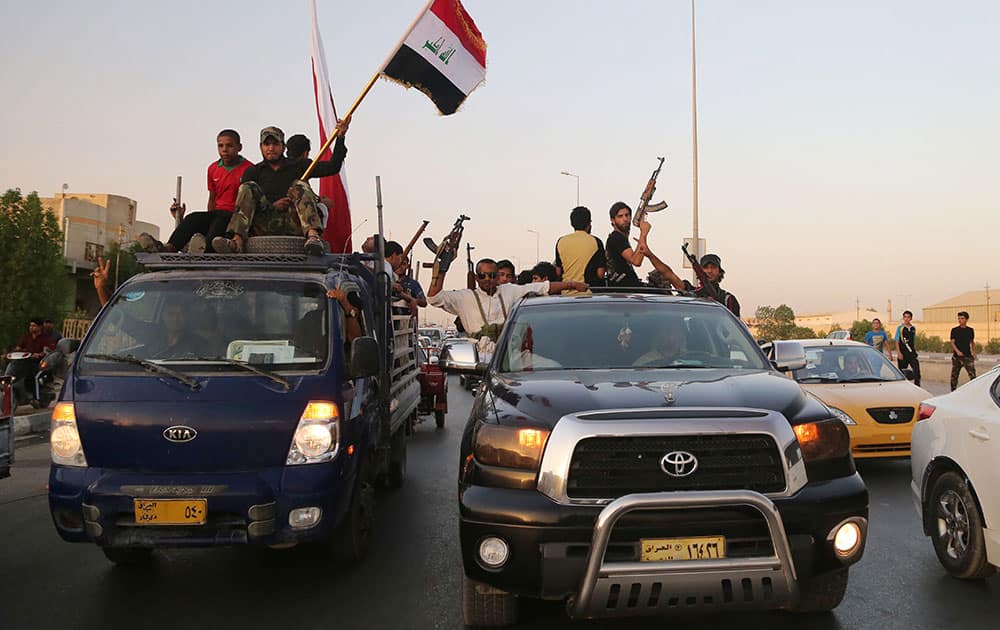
pixel 443 55
pixel 338 223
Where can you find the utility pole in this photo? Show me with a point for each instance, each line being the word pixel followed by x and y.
pixel 989 316
pixel 694 143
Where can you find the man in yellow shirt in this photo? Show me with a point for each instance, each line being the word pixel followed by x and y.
pixel 580 255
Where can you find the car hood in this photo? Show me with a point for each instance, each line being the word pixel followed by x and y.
pixel 847 396
pixel 545 397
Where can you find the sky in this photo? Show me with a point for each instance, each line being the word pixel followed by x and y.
pixel 846 150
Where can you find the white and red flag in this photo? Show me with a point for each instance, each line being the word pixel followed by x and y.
pixel 443 55
pixel 338 225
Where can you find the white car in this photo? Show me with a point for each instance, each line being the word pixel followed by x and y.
pixel 956 479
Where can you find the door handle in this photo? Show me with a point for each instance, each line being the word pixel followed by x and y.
pixel 979 435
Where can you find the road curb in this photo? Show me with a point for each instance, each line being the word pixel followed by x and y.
pixel 32 423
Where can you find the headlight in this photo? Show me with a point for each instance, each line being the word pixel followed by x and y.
pixel 65 444
pixel 317 436
pixel 823 440
pixel 510 447
pixel 844 417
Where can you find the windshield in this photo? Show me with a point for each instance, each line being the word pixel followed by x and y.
pixel 846 364
pixel 433 333
pixel 211 325
pixel 626 334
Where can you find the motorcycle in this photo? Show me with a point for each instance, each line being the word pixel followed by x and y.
pixel 36 387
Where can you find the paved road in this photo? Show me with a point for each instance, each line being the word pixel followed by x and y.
pixel 412 577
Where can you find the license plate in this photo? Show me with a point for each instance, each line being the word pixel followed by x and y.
pixel 700 548
pixel 170 511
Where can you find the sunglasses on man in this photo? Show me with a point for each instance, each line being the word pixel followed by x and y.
pixel 482 275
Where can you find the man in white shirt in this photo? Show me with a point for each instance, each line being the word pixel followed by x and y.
pixel 484 310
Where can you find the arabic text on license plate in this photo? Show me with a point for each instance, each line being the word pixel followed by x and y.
pixel 701 548
pixel 170 511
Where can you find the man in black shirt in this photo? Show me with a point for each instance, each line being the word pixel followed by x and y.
pixel 712 265
pixel 621 257
pixel 273 201
pixel 963 346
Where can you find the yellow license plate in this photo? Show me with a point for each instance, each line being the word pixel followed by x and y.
pixel 701 548
pixel 170 511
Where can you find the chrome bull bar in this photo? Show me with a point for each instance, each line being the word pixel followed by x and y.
pixel 647 588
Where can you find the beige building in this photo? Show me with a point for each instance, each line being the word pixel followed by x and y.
pixel 983 310
pixel 90 224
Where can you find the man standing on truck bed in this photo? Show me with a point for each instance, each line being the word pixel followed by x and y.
pixel 484 310
pixel 273 201
pixel 580 255
pixel 621 257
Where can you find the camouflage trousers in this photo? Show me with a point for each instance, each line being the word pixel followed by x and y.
pixel 255 216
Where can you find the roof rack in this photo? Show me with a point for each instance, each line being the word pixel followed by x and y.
pixel 274 262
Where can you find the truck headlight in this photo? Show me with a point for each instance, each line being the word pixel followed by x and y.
pixel 317 436
pixel 65 444
pixel 510 447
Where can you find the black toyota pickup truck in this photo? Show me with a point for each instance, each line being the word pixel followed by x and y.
pixel 638 454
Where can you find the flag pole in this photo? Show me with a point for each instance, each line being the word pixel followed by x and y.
pixel 364 92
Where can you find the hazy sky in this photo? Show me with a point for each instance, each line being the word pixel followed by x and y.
pixel 847 150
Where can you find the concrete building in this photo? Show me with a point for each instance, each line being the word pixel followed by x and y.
pixel 91 223
pixel 984 315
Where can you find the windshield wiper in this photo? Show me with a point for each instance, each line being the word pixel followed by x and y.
pixel 149 366
pixel 248 367
pixel 862 379
pixel 818 379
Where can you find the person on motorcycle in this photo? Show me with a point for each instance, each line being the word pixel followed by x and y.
pixel 37 343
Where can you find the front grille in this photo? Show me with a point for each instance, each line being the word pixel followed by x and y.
pixel 609 467
pixel 891 415
pixel 890 447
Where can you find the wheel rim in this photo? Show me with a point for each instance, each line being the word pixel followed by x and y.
pixel 953 525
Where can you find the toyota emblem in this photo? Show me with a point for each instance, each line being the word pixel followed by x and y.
pixel 679 463
pixel 179 433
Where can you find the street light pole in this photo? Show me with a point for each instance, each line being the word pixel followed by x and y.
pixel 568 174
pixel 694 145
pixel 537 257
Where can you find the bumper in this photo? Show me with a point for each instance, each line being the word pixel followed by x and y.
pixel 591 554
pixel 95 505
pixel 880 440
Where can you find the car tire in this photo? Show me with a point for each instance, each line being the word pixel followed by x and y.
pixel 396 474
pixel 439 418
pixel 128 556
pixel 486 607
pixel 957 528
pixel 349 542
pixel 822 593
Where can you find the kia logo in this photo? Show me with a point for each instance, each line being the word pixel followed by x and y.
pixel 679 463
pixel 179 434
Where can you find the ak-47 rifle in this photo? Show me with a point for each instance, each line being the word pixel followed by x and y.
pixel 446 252
pixel 647 196
pixel 707 287
pixel 470 278
pixel 413 241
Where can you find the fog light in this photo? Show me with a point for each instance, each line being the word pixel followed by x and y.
pixel 493 552
pixel 304 518
pixel 846 539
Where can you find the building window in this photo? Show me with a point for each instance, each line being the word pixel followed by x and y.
pixel 93 251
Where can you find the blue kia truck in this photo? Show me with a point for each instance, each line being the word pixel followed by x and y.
pixel 228 400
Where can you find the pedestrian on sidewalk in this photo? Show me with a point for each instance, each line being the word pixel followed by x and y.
pixel 963 345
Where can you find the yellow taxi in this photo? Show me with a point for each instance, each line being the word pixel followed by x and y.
pixel 874 399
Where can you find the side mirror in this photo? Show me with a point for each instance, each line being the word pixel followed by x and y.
pixel 364 357
pixel 462 357
pixel 67 346
pixel 788 355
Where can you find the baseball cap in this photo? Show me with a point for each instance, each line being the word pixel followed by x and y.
pixel 273 132
pixel 712 259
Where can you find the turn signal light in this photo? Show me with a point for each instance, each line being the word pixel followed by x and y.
pixel 925 411
pixel 321 411
pixel 64 412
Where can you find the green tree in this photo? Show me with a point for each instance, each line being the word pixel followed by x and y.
pixel 859 329
pixel 777 323
pixel 35 282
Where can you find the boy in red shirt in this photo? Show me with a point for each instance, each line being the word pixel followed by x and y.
pixel 197 229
